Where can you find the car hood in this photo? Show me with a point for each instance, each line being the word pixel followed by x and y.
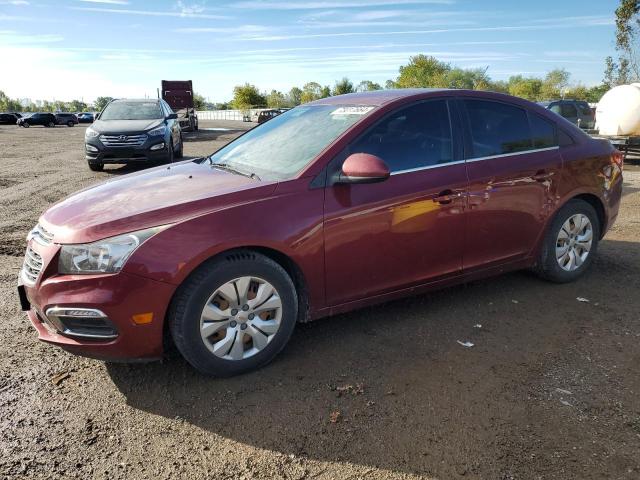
pixel 125 126
pixel 154 197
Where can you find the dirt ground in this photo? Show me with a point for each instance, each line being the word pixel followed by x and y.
pixel 550 390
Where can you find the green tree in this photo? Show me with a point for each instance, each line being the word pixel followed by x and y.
pixel 325 92
pixel 368 86
pixel 311 91
pixel 423 71
pixel 294 97
pixel 199 102
pixel 390 85
pixel 529 88
pixel 470 79
pixel 247 96
pixel 554 84
pixel 101 102
pixel 343 86
pixel 276 99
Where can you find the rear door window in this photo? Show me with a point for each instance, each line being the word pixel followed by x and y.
pixel 543 132
pixel 568 110
pixel 414 137
pixel 497 128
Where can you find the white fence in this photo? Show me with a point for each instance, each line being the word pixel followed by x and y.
pixel 236 115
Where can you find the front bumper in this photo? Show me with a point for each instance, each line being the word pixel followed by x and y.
pixel 122 298
pixel 126 154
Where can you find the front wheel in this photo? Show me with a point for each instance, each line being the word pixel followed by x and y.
pixel 96 166
pixel 234 314
pixel 51 124
pixel 70 124
pixel 25 124
pixel 570 244
pixel 180 152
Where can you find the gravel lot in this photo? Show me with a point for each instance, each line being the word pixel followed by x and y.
pixel 550 390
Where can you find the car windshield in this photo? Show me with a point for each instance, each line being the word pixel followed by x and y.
pixel 283 146
pixel 132 111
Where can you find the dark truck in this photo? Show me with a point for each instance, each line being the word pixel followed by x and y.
pixel 179 95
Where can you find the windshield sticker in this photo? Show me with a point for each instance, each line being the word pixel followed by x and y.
pixel 354 110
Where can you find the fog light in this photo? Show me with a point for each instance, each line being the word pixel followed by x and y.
pixel 159 146
pixel 91 148
pixel 81 322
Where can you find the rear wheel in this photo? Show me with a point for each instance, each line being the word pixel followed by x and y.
pixel 51 124
pixel 70 123
pixel 25 124
pixel 570 243
pixel 234 314
pixel 96 166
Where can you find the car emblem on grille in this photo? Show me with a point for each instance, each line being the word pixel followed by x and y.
pixel 122 138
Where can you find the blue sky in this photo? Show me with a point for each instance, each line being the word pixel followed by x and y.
pixel 67 49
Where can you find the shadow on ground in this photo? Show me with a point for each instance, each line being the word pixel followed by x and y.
pixel 407 397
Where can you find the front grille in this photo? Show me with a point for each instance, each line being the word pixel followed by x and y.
pixel 32 266
pixel 123 140
pixel 41 235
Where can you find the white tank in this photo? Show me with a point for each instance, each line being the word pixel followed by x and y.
pixel 618 112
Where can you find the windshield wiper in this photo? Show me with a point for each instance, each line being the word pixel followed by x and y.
pixel 229 168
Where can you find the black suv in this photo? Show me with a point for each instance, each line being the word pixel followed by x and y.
pixel 577 112
pixel 8 118
pixel 68 119
pixel 44 119
pixel 133 131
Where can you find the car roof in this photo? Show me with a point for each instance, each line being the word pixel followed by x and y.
pixel 141 100
pixel 376 97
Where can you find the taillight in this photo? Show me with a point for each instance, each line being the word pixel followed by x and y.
pixel 617 158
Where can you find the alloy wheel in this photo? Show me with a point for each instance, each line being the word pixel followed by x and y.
pixel 574 242
pixel 241 318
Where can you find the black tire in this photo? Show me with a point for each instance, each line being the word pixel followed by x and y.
pixel 96 166
pixel 70 123
pixel 51 124
pixel 195 126
pixel 170 153
pixel 25 124
pixel 548 266
pixel 187 305
pixel 180 152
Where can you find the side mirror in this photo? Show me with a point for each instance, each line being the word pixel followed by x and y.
pixel 172 116
pixel 363 168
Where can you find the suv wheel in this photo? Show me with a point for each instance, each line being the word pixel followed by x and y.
pixel 170 153
pixel 70 123
pixel 25 124
pixel 51 124
pixel 96 166
pixel 570 243
pixel 234 314
pixel 180 152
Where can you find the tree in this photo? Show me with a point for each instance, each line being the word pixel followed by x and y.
pixel 311 91
pixel 525 87
pixel 368 86
pixel 295 96
pixel 390 85
pixel 199 102
pixel 276 99
pixel 101 102
pixel 554 84
pixel 343 86
pixel 247 96
pixel 423 71
pixel 325 92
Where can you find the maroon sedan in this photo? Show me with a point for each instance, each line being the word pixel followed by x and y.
pixel 337 204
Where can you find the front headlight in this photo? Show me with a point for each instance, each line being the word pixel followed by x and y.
pixel 90 133
pixel 105 256
pixel 158 131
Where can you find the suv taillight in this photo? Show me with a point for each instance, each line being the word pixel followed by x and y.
pixel 617 158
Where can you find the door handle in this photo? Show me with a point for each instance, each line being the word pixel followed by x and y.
pixel 447 196
pixel 542 176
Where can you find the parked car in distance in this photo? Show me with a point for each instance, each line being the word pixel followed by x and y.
pixel 576 111
pixel 337 204
pixel 266 115
pixel 68 119
pixel 133 131
pixel 85 117
pixel 8 119
pixel 44 119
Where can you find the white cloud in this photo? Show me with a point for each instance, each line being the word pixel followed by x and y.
pixel 151 13
pixel 109 2
pixel 313 5
pixel 189 8
pixel 15 3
